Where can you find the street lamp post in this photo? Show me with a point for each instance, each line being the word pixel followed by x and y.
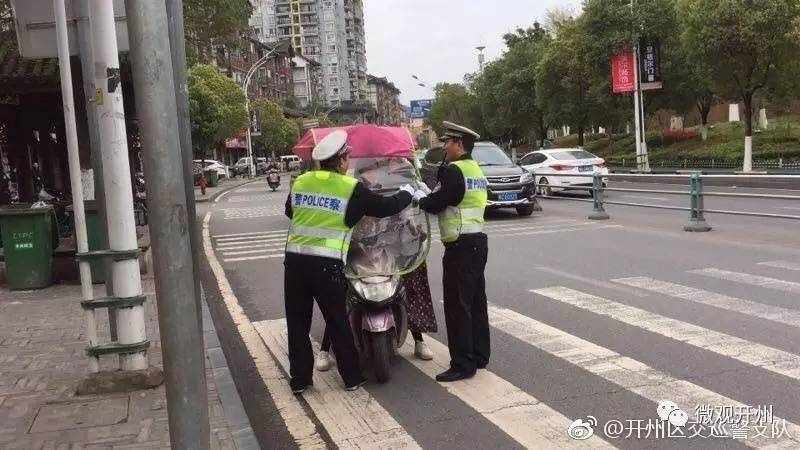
pixel 248 76
pixel 480 50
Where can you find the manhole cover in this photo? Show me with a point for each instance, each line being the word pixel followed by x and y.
pixel 85 414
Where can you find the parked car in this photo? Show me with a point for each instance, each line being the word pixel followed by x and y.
pixel 509 186
pixel 552 167
pixel 222 169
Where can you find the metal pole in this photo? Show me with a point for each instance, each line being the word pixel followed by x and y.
pixel 248 76
pixel 70 128
pixel 636 109
pixel 181 339
pixel 598 211
pixel 84 26
pixel 117 179
pixel 697 222
pixel 178 52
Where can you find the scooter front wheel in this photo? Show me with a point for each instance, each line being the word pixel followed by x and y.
pixel 382 350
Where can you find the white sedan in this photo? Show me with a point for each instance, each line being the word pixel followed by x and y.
pixel 221 169
pixel 553 168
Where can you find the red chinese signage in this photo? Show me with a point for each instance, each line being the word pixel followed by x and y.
pixel 622 73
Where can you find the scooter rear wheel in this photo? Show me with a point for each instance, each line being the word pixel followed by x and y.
pixel 382 350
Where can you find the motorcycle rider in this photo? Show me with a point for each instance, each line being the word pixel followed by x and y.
pixel 324 205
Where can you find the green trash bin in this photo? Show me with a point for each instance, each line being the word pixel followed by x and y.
pixel 94 234
pixel 212 178
pixel 27 246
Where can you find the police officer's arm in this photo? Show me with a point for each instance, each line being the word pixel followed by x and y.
pixel 451 192
pixel 288 207
pixel 367 203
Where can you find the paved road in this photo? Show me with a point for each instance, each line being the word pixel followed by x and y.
pixel 602 319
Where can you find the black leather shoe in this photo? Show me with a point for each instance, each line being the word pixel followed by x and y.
pixel 299 388
pixel 454 375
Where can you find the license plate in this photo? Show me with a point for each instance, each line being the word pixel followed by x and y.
pixel 507 196
pixel 585 168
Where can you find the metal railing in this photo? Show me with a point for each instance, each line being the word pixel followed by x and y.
pixel 787 164
pixel 696 193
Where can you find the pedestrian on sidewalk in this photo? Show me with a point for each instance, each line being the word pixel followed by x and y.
pixel 324 205
pixel 203 183
pixel 460 202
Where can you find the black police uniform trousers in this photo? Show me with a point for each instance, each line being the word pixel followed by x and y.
pixel 465 308
pixel 309 278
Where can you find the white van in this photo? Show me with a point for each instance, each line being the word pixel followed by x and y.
pixel 291 162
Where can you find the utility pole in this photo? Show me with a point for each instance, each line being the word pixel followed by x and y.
pixel 71 130
pixel 177 46
pixel 84 26
pixel 117 180
pixel 181 337
pixel 642 160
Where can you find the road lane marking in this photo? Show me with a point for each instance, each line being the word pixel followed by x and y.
pixel 623 371
pixel 297 422
pixel 536 232
pixel 253 258
pixel 224 243
pixel 768 358
pixel 642 197
pixel 593 282
pixel 526 419
pixel 772 313
pixel 792 208
pixel 251 252
pixel 788 265
pixel 254 233
pixel 352 419
pixel 752 280
pixel 244 247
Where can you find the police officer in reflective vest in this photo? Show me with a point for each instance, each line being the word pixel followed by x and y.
pixel 460 201
pixel 324 206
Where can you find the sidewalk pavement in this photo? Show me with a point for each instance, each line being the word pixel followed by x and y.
pixel 42 360
pixel 224 185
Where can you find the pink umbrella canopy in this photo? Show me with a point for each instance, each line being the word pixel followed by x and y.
pixel 366 141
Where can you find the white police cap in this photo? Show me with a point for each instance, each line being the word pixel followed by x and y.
pixel 332 145
pixel 452 130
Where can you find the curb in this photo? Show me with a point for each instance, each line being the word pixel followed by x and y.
pixel 214 196
pixel 243 436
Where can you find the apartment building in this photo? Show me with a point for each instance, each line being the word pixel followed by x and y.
pixel 383 96
pixel 328 32
pixel 308 83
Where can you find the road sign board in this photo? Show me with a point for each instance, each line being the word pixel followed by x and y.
pixel 420 108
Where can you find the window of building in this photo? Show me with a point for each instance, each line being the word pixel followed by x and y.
pixel 328 26
pixel 332 48
pixel 333 81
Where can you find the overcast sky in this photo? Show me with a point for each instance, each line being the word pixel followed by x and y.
pixel 436 39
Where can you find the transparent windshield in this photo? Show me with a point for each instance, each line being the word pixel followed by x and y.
pixel 490 155
pixel 391 245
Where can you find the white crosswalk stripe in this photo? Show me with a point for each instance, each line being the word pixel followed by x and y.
pixel 625 372
pixel 250 246
pixel 774 313
pixel 753 280
pixel 247 198
pixel 252 213
pixel 352 419
pixel 767 358
pixel 526 419
pixel 788 265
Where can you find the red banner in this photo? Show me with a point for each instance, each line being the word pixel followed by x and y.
pixel 622 74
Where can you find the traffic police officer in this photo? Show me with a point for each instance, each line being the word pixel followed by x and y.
pixel 460 201
pixel 324 206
